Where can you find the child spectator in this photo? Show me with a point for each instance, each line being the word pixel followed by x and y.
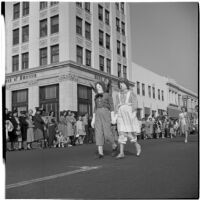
pixel 60 140
pixel 80 130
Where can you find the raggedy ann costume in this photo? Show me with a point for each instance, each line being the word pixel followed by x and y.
pixel 102 117
pixel 127 123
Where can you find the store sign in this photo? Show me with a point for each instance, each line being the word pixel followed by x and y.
pixel 20 78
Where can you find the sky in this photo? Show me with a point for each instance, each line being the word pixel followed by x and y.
pixel 165 40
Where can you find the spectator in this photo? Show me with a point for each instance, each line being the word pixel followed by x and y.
pixel 70 130
pixel 59 140
pixel 143 129
pixel 24 125
pixel 39 127
pixel 51 128
pixel 17 130
pixel 62 125
pixel 30 129
pixel 149 128
pixel 85 124
pixel 9 128
pixel 80 130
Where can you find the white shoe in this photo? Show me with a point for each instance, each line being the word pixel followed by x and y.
pixel 186 141
pixel 120 156
pixel 139 150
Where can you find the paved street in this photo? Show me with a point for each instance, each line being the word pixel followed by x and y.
pixel 166 169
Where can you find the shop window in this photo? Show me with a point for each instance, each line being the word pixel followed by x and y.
pixel 20 100
pixel 84 100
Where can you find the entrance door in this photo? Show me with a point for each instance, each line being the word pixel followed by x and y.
pixel 84 100
pixel 49 99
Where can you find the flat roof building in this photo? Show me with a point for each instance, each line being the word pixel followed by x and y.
pixel 54 50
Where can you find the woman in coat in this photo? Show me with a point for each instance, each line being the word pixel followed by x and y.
pixel 70 123
pixel 51 127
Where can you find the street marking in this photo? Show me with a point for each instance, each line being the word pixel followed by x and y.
pixel 82 169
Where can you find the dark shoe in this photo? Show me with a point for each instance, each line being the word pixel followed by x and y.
pixel 98 156
pixel 114 151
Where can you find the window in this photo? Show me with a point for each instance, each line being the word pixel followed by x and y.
pixel 87 31
pixel 25 34
pixel 87 6
pixel 125 71
pixel 117 6
pixel 149 90
pixel 158 94
pixel 15 36
pixel 107 20
pixel 138 87
pixel 79 55
pixel 117 25
pixel 43 5
pixel 108 62
pixel 118 47
pixel 25 61
pixel 55 24
pixel 101 63
pixel 107 41
pixel 100 8
pixel 43 28
pixel 122 7
pixel 16 10
pixel 143 89
pixel 25 10
pixel 123 28
pixel 43 56
pixel 54 3
pixel 79 4
pixel 20 100
pixel 55 53
pixel 100 38
pixel 124 50
pixel 15 63
pixel 163 96
pixel 153 92
pixel 119 70
pixel 78 25
pixel 88 57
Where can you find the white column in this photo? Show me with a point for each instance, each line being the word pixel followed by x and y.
pixel 33 97
pixel 8 100
pixel 68 95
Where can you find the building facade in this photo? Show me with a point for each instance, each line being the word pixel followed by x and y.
pixel 151 91
pixel 55 50
pixel 179 96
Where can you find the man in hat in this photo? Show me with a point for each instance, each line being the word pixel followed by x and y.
pixel 39 127
pixel 24 126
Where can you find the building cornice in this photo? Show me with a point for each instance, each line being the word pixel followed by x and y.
pixel 60 65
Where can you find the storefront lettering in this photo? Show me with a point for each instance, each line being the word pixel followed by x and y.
pixel 20 78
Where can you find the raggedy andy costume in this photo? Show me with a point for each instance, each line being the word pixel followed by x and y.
pixel 127 123
pixel 103 116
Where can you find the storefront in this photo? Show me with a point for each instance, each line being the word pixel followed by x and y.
pixel 56 88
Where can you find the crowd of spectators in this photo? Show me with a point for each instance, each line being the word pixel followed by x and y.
pixel 44 131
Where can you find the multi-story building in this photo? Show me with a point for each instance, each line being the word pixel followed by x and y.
pixel 54 50
pixel 179 96
pixel 151 91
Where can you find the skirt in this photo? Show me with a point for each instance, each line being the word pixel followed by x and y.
pixel 38 134
pixel 127 121
pixel 30 135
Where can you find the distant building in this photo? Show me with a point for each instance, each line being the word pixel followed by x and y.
pixel 151 91
pixel 54 50
pixel 179 96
